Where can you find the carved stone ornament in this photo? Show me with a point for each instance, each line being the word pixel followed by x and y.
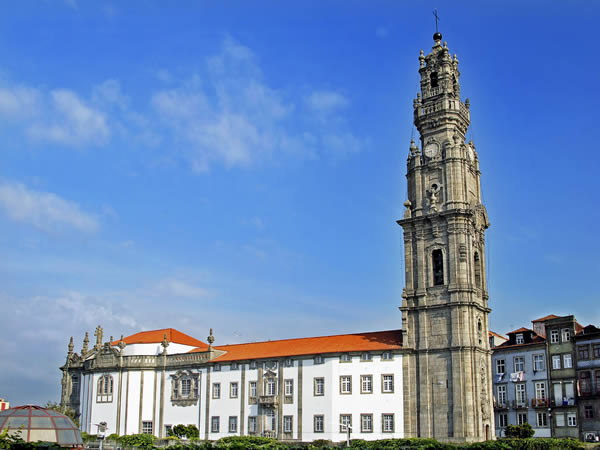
pixel 433 197
pixel 485 413
pixel 407 209
pixel 184 388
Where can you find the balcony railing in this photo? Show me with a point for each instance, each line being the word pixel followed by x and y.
pixel 564 402
pixel 519 404
pixel 268 400
pixel 540 402
pixel 501 405
pixel 588 389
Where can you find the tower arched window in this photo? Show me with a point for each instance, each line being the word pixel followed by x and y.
pixel 477 270
pixel 433 79
pixel 105 389
pixel 437 258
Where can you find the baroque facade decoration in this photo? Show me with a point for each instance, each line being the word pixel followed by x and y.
pixel 429 379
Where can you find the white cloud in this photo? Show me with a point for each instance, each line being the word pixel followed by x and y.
pixel 44 210
pixel 109 93
pixel 174 287
pixel 325 102
pixel 73 123
pixel 18 102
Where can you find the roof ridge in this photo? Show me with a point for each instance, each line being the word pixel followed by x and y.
pixel 309 337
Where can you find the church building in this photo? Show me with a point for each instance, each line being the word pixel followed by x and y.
pixel 431 378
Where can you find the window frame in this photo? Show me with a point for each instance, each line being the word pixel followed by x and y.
pixel 366 419
pixel 500 363
pixel 318 423
pixel 343 426
pixel 571 419
pixel 318 360
pixel 522 418
pixel 583 352
pixel 384 382
pixel 345 380
pixel 234 389
pixel 215 424
pixel 216 391
pixel 345 358
pixel 501 394
pixel 319 386
pixel 521 394
pixel 541 419
pixel 502 420
pixel 252 425
pixel 565 334
pixel 363 379
pixel 588 411
pixel 288 383
pixel 105 388
pixel 539 363
pixel 383 423
pixel 252 386
pixel 387 356
pixel 554 336
pixel 270 387
pixel 366 357
pixel 519 361
pixel 233 420
pixel 147 427
pixel 287 429
pixel 556 362
pixel 519 338
pixel 567 361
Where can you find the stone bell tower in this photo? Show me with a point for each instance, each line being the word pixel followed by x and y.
pixel 447 371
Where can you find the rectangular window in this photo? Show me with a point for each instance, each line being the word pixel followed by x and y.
pixel 147 427
pixel 252 389
pixel 521 394
pixel 387 383
pixel 583 352
pixel 555 362
pixel 500 366
pixel 566 334
pixel 216 390
pixel 251 424
pixel 542 419
pixel 319 386
pixel 596 351
pixel 233 390
pixel 168 430
pixel 214 424
pixel 186 387
pixel 502 420
pixel 569 392
pixel 560 419
pixel 217 368
pixel 572 419
pixel 288 422
pixel 521 418
pixel 365 356
pixel 519 338
pixel 345 358
pixel 345 422
pixel 270 386
pixel 366 423
pixel 387 356
pixel 554 336
pixel 519 364
pixel 585 383
pixel 235 366
pixel 501 394
pixel 588 411
pixel 366 384
pixel 233 424
pixel 270 420
pixel 557 393
pixel 346 384
pixel 387 423
pixel 567 362
pixel 540 390
pixel 319 424
pixel 318 359
pixel 253 364
pixel 288 388
pixel 289 363
pixel 539 365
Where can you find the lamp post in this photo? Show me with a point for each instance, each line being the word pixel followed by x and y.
pixel 550 420
pixel 348 429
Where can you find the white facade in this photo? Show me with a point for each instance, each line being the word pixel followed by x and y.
pixel 300 397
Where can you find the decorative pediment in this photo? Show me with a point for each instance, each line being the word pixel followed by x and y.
pixel 185 388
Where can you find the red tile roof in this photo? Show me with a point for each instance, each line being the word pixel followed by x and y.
pixel 543 319
pixel 520 330
pixel 379 340
pixel 493 333
pixel 157 336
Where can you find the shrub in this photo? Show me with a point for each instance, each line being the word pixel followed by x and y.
pixel 137 440
pixel 249 442
pixel 185 431
pixel 524 431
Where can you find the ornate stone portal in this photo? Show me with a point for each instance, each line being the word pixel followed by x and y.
pixel 445 302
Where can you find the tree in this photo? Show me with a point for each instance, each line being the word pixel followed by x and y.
pixel 520 431
pixel 185 431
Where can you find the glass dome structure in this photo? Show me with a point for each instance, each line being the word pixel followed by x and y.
pixel 40 424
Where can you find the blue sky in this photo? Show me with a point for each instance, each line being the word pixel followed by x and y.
pixel 241 165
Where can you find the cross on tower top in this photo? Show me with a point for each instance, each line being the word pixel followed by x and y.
pixel 437 18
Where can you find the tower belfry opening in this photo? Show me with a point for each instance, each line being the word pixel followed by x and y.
pixel 445 301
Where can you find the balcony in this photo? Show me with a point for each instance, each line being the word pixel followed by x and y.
pixel 268 400
pixel 588 389
pixel 540 402
pixel 564 402
pixel 519 404
pixel 501 405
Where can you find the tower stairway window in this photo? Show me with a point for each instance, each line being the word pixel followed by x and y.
pixel 477 269
pixel 438 267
